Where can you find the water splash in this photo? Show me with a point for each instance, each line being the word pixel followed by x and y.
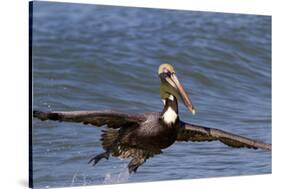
pixel 73 179
pixel 78 181
pixel 121 177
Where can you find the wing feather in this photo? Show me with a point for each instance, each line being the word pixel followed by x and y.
pixel 112 119
pixel 195 133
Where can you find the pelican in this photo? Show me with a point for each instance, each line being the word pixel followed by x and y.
pixel 139 136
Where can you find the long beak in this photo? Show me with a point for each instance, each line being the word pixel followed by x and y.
pixel 184 96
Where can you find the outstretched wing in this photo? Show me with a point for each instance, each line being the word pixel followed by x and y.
pixel 110 118
pixel 194 133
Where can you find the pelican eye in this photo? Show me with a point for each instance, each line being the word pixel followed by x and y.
pixel 168 74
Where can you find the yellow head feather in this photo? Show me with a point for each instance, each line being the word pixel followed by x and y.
pixel 169 67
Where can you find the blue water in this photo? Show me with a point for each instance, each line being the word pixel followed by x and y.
pixel 104 57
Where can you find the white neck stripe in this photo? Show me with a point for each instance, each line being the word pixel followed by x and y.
pixel 171 97
pixel 170 116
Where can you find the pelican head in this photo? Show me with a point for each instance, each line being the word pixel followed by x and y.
pixel 170 85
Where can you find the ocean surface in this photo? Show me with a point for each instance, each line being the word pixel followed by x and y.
pixel 88 57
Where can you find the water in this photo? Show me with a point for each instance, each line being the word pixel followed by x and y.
pixel 101 57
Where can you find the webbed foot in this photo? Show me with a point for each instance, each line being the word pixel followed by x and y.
pixel 98 157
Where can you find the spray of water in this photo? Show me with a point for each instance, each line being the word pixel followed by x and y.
pixel 78 179
pixel 121 177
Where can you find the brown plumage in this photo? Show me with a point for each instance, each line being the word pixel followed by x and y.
pixel 141 136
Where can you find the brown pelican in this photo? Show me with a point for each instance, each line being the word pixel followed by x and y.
pixel 140 136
